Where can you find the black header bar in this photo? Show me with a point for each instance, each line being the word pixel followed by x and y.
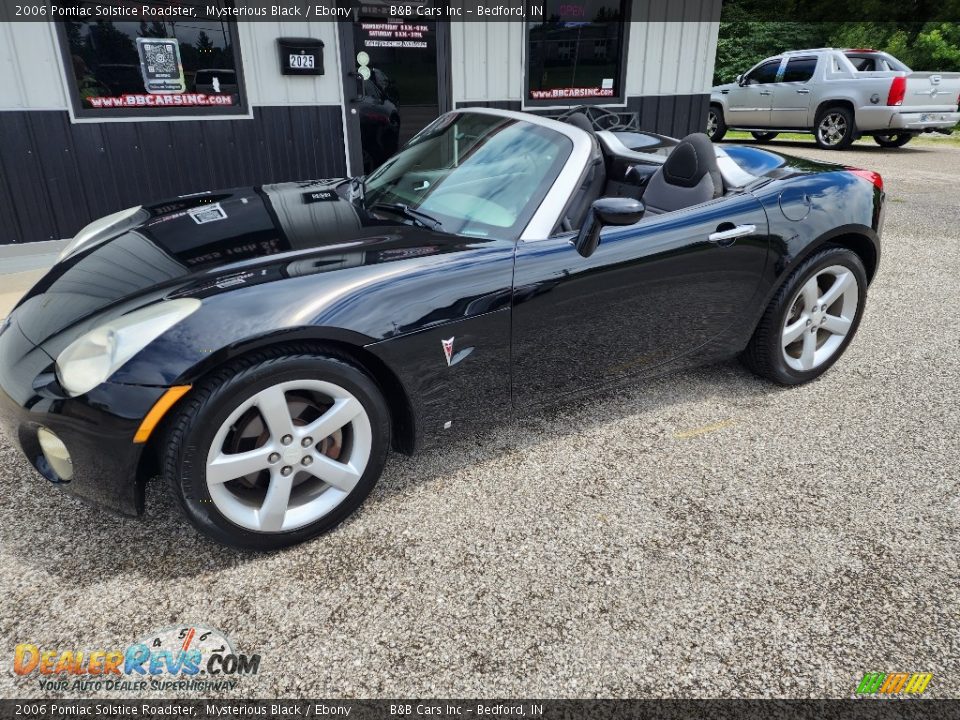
pixel 471 10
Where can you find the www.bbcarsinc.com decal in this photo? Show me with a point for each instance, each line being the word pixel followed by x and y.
pixel 184 657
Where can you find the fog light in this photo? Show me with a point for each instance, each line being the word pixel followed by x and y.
pixel 56 453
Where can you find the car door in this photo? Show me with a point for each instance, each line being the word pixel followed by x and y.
pixel 652 292
pixel 791 96
pixel 749 102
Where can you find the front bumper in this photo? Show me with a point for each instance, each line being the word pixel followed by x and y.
pixel 97 428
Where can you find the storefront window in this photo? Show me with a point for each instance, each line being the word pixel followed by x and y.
pixel 157 68
pixel 576 52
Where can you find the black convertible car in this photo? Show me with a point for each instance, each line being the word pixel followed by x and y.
pixel 263 348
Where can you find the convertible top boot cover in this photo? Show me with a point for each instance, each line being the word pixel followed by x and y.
pixel 690 176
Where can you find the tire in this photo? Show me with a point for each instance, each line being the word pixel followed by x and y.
pixel 834 128
pixel 892 141
pixel 716 126
pixel 770 355
pixel 763 137
pixel 298 387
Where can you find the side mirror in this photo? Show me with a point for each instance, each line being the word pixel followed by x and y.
pixel 607 211
pixel 740 80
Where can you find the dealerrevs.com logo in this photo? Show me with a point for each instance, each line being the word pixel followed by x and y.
pixel 898 684
pixel 182 658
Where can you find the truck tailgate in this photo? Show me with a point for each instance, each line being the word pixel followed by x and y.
pixel 932 91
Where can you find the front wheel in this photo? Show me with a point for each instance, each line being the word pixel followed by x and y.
pixel 277 448
pixel 716 126
pixel 892 141
pixel 763 137
pixel 811 320
pixel 834 129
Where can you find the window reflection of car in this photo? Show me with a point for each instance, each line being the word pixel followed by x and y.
pixel 379 121
pixel 388 86
pixel 121 79
pixel 215 81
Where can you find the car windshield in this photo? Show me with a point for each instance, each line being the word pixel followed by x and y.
pixel 476 174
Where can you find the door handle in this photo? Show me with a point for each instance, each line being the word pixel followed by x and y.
pixel 803 91
pixel 726 237
pixel 766 92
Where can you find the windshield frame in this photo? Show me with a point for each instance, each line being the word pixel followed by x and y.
pixel 572 144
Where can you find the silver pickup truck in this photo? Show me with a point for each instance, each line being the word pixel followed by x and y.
pixel 839 96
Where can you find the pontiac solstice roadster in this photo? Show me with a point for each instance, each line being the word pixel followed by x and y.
pixel 263 348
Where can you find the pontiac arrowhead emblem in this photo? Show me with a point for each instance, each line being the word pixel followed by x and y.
pixel 448 349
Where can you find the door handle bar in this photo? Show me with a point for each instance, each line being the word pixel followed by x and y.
pixel 803 91
pixel 732 234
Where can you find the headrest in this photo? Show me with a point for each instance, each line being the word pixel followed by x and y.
pixel 582 121
pixel 690 160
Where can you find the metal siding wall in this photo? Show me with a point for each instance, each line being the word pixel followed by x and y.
pixel 487 61
pixel 68 174
pixel 29 71
pixel 31 78
pixel 261 66
pixel 672 58
pixel 664 58
pixel 673 115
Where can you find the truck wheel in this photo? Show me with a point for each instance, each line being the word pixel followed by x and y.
pixel 834 129
pixel 763 137
pixel 716 127
pixel 892 141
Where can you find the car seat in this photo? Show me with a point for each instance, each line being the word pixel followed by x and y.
pixel 690 176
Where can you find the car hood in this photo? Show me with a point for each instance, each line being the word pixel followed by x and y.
pixel 210 242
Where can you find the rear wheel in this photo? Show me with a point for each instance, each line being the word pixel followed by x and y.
pixel 763 137
pixel 811 320
pixel 716 127
pixel 892 140
pixel 277 449
pixel 834 128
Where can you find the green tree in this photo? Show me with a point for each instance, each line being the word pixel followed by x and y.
pixel 742 43
pixel 921 46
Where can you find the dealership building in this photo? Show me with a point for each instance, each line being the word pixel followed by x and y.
pixel 100 114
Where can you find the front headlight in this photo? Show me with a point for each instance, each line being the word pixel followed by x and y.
pixel 105 228
pixel 92 358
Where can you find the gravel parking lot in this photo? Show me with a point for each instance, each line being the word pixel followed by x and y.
pixel 706 534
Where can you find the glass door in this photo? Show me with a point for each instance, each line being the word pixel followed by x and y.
pixel 395 83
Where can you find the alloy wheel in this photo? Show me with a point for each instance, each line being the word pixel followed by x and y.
pixel 832 129
pixel 820 317
pixel 288 455
pixel 711 122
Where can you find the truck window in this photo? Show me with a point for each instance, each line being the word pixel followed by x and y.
pixel 862 64
pixel 870 62
pixel 763 74
pixel 799 69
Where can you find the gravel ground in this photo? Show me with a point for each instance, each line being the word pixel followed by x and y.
pixel 703 535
